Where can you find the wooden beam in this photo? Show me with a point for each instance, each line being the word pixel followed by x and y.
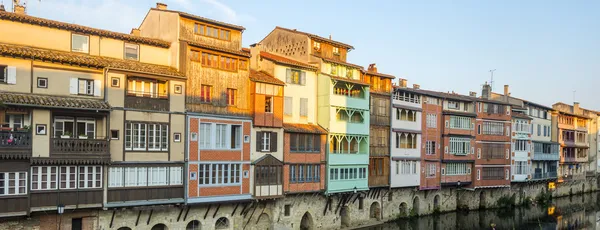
pixel 149 217
pixel 186 213
pixel 138 218
pixel 244 208
pixel 216 210
pixel 261 212
pixel 112 219
pixel 207 210
pixel 234 209
pixel 179 216
pixel 338 205
pixel 253 210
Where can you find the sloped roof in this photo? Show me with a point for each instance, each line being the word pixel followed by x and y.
pixel 452 96
pixel 317 37
pixel 51 101
pixel 203 19
pixel 339 62
pixel 215 48
pixel 82 59
pixel 23 18
pixel 286 61
pixel 303 128
pixel 264 77
pixel 378 74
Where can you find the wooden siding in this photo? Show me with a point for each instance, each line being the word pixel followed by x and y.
pixel 376 179
pixel 379 115
pixel 156 104
pixel 220 81
pixel 379 145
pixel 288 44
pixel 66 197
pixel 186 32
pixel 261 118
pixel 144 193
pixel 14 204
pixel 327 51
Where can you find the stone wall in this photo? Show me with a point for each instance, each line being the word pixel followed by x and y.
pixel 315 211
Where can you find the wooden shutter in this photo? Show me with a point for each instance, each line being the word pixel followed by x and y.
pixel 11 75
pixel 288 75
pixel 302 78
pixel 273 142
pixel 97 88
pixel 74 85
pixel 259 136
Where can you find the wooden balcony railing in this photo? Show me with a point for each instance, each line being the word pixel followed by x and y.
pixel 15 142
pixel 79 146
pixel 147 103
pixel 544 175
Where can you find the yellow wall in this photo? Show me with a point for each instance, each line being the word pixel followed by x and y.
pixel 116 94
pixel 23 75
pixel 165 26
pixel 177 126
pixel 147 156
pixel 177 101
pixel 59 80
pixel 147 117
pixel 116 146
pixel 41 143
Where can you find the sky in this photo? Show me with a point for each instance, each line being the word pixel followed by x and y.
pixel 547 51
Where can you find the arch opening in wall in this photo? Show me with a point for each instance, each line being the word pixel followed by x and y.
pixel 436 203
pixel 193 225
pixel 482 200
pixel 222 223
pixel 124 228
pixel 306 223
pixel 416 207
pixel 264 222
pixel 345 217
pixel 375 211
pixel 159 227
pixel 403 209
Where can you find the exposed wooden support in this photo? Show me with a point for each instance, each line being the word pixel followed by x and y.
pixel 253 210
pixel 252 205
pixel 186 213
pixel 149 217
pixel 207 210
pixel 137 221
pixel 338 205
pixel 328 205
pixel 234 209
pixel 179 216
pixel 244 209
pixel 261 212
pixel 112 219
pixel 217 210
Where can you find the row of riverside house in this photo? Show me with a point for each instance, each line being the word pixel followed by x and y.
pixel 178 113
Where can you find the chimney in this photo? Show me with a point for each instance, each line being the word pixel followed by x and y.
pixel 2 7
pixel 506 92
pixel 18 9
pixel 329 36
pixel 372 68
pixel 416 86
pixel 576 107
pixel 161 6
pixel 473 94
pixel 486 91
pixel 135 32
pixel 402 82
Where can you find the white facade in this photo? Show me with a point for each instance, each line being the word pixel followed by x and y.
pixel 405 144
pixel 521 148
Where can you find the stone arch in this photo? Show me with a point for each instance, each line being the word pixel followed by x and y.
pixel 482 200
pixel 159 227
pixel 375 211
pixel 264 222
pixel 345 216
pixel 222 223
pixel 193 225
pixel 124 228
pixel 306 223
pixel 416 207
pixel 436 203
pixel 403 209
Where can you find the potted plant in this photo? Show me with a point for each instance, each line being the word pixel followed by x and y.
pixel 66 135
pixel 24 128
pixel 83 136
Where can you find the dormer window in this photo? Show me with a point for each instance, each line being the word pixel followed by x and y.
pixel 317 46
pixel 452 105
pixel 132 52
pixel 336 50
pixel 80 43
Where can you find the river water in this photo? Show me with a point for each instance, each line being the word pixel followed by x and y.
pixel 574 212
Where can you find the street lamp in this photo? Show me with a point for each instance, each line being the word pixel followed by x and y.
pixel 60 209
pixel 354 189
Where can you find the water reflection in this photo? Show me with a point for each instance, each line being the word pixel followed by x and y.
pixel 575 212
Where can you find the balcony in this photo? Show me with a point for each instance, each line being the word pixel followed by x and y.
pixel 92 149
pixel 538 156
pixel 15 143
pixel 568 159
pixel 456 180
pixel 160 103
pixel 572 177
pixel 544 175
pixel 545 152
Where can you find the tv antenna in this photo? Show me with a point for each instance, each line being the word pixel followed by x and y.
pixel 492 79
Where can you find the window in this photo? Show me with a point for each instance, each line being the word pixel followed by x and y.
pixel 144 87
pixel 3 73
pixel 349 115
pixel 236 136
pixel 14 121
pixel 376 166
pixel 430 147
pixel 86 87
pixel 228 63
pixel 80 43
pixel 68 177
pixel 493 128
pixel 243 64
pixel 406 140
pixel 458 122
pixel 407 97
pixel 221 136
pixel 115 82
pixel 305 142
pixel 490 173
pixel 287 106
pixel 219 174
pixel 456 169
pixel 453 105
pixel 206 93
pixel 268 104
pixel 316 46
pixel 493 151
pixel 178 89
pixel 521 145
pixel 222 223
pixel 493 108
pixel 157 176
pixel 539 130
pixel 44 177
pixel 349 173
pixel 13 183
pixel 132 52
pixel 42 82
pixel 430 170
pixel 431 120
pixel 205 136
pixel 295 77
pixel 90 177
pixel 177 137
pixel 231 96
pixel 460 145
pixel 265 141
pixel 406 115
pixel 520 168
pixel 74 127
pixel 303 107
pixel 146 137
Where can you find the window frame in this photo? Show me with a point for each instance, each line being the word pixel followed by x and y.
pixel 88 87
pixel 130 128
pixel 6 179
pixel 42 79
pixel 137 54
pixel 207 179
pixel 87 50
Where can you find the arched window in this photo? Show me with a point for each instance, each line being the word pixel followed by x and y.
pixel 124 228
pixel 159 227
pixel 193 225
pixel 222 223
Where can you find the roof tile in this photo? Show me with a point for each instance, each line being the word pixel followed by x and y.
pixel 203 19
pixel 286 61
pixel 25 99
pixel 215 48
pixel 317 37
pixel 261 76
pixel 304 128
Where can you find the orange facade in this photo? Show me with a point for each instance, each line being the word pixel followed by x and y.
pixel 303 158
pixel 431 146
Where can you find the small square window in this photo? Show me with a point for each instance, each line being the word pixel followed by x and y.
pixel 80 43
pixel 246 173
pixel 177 137
pixel 246 139
pixel 40 129
pixel 178 89
pixel 114 134
pixel 42 82
pixel 115 82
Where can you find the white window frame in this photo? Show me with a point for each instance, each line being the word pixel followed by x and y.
pixel 205 139
pixel 431 120
pixel 460 122
pixel 456 105
pixel 431 171
pixel 460 145
pixel 221 136
pixel 131 46
pixel 234 174
pixel 265 143
pixel 154 132
pixel 157 176
pixel 85 86
pixel 47 171
pixel 116 177
pixel 71 176
pixel 430 147
pixel 86 46
pixel 95 170
pixel 288 107
pixel 5 190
